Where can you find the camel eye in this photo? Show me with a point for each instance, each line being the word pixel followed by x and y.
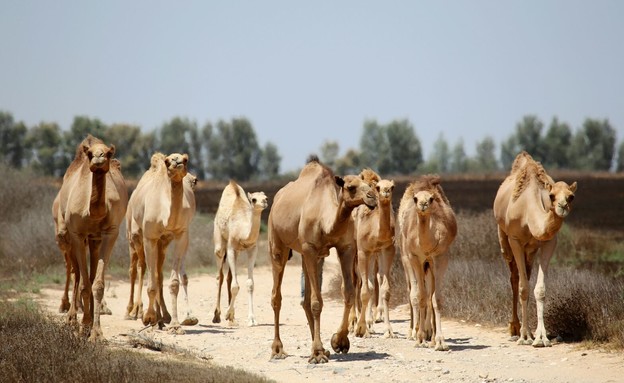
pixel 351 188
pixel 570 198
pixel 552 198
pixel 430 199
pixel 253 200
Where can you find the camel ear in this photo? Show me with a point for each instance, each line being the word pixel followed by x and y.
pixel 85 149
pixel 548 187
pixel 111 151
pixel 573 187
pixel 339 181
pixel 185 157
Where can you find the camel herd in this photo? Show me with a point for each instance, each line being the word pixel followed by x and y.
pixel 310 215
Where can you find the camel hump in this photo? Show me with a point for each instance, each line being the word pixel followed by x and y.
pixel 313 158
pixel 370 177
pixel 157 159
pixel 236 188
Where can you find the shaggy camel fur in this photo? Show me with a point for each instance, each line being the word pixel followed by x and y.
pixel 92 203
pixel 137 266
pixel 427 229
pixel 529 209
pixel 236 229
pixel 374 234
pixel 311 215
pixel 162 207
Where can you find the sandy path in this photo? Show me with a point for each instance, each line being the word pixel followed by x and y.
pixel 477 354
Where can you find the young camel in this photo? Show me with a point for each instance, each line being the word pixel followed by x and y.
pixel 529 209
pixel 311 215
pixel 162 207
pixel 91 206
pixel 374 234
pixel 236 229
pixel 134 309
pixel 427 229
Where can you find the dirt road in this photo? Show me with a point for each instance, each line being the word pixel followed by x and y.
pixel 477 353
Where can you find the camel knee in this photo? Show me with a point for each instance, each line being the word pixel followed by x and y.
pixel 539 293
pixel 250 286
pixel 174 286
pixel 524 293
pixel 98 290
pixel 316 307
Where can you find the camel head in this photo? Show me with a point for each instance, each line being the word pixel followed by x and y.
pixel 176 164
pixel 355 191
pixel 259 200
pixel 99 156
pixel 561 196
pixel 191 180
pixel 423 201
pixel 384 190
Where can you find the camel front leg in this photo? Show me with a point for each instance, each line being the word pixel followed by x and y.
pixel 150 316
pixel 314 305
pixel 440 264
pixel 105 249
pixel 252 253
pixel 189 318
pixel 340 340
pixel 541 336
pixel 523 290
pixel 179 251
pixel 363 263
pixel 385 262
pixel 421 302
pixel 235 287
pixel 220 255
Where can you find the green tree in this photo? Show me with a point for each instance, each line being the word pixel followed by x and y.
pixel 6 125
pixel 403 149
pixel 593 146
pixel 234 151
pixel 374 147
pixel 509 151
pixel 13 147
pixel 485 160
pixel 270 162
pixel 439 160
pixel 127 139
pixel 205 137
pixel 620 159
pixel 350 163
pixel 329 153
pixel 45 141
pixel 459 159
pixel 146 146
pixel 557 145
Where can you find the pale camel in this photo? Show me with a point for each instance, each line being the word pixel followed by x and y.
pixel 92 203
pixel 311 215
pixel 137 265
pixel 529 209
pixel 162 207
pixel 236 229
pixel 374 234
pixel 427 229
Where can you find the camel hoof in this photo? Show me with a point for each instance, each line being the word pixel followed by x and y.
pixel 251 322
pixel 389 335
pixel 541 343
pixel 166 318
pixel 441 346
pixel 190 321
pixel 280 355
pixel 524 342
pixel 318 357
pixel 176 330
pixel 340 344
pixel 216 319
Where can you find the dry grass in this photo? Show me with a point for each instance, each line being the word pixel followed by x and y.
pixel 37 349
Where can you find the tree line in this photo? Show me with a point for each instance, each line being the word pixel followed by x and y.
pixel 230 149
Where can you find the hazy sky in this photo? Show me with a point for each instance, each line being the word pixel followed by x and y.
pixel 307 72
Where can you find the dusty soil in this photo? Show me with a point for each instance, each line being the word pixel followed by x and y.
pixel 477 353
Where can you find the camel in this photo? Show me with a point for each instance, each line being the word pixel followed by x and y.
pixel 91 206
pixel 236 229
pixel 311 215
pixel 138 266
pixel 162 207
pixel 374 233
pixel 427 229
pixel 63 244
pixel 529 208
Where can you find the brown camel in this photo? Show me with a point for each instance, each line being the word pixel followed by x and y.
pixel 311 215
pixel 428 227
pixel 162 207
pixel 63 243
pixel 374 233
pixel 529 209
pixel 137 265
pixel 236 229
pixel 92 203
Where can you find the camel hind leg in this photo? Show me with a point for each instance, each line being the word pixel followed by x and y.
pixel 234 288
pixel 385 262
pixel 514 323
pixel 279 257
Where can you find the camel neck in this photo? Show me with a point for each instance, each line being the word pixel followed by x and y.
pixel 97 204
pixel 385 219
pixel 426 235
pixel 545 226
